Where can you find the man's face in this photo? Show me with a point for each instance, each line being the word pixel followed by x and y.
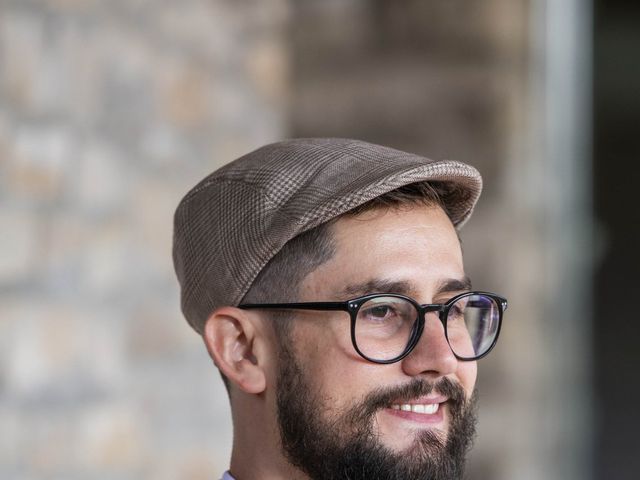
pixel 340 414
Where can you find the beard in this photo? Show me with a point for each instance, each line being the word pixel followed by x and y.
pixel 327 445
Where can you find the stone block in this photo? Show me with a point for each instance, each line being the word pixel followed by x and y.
pixel 20 246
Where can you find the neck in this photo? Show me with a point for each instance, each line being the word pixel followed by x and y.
pixel 257 451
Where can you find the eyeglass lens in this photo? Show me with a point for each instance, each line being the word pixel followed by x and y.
pixel 384 326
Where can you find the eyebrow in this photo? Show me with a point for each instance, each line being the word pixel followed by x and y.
pixel 378 286
pixel 403 287
pixel 454 285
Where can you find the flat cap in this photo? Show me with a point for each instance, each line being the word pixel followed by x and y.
pixel 228 227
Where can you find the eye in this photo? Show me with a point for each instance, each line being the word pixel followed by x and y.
pixel 382 319
pixel 457 311
pixel 378 312
pixel 387 310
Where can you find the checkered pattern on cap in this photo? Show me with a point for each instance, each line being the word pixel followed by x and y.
pixel 236 219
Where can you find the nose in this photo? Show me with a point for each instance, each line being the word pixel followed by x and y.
pixel 432 356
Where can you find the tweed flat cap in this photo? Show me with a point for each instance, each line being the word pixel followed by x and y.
pixel 228 227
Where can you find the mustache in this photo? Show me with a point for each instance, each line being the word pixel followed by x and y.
pixel 384 397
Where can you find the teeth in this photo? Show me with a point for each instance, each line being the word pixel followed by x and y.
pixel 428 409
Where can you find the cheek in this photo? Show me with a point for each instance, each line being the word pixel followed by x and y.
pixel 467 374
pixel 335 368
pixel 325 354
pixel 324 340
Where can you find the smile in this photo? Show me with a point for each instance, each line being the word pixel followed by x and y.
pixel 422 408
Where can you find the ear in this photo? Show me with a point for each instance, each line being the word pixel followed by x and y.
pixel 232 341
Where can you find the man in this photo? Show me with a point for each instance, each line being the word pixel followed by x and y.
pixel 326 279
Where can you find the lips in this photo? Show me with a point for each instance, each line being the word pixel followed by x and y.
pixel 418 401
pixel 427 409
pixel 420 409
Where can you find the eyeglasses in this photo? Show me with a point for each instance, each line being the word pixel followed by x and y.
pixel 386 327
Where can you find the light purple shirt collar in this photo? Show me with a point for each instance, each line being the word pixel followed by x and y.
pixel 227 476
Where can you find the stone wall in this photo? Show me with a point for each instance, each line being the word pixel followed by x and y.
pixel 109 112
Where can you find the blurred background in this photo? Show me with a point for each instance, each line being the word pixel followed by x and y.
pixel 111 110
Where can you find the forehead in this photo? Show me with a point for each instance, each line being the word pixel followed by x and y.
pixel 415 244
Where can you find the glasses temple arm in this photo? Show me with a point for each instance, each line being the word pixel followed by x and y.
pixel 297 306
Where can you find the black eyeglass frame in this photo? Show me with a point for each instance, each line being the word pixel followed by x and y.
pixel 353 306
